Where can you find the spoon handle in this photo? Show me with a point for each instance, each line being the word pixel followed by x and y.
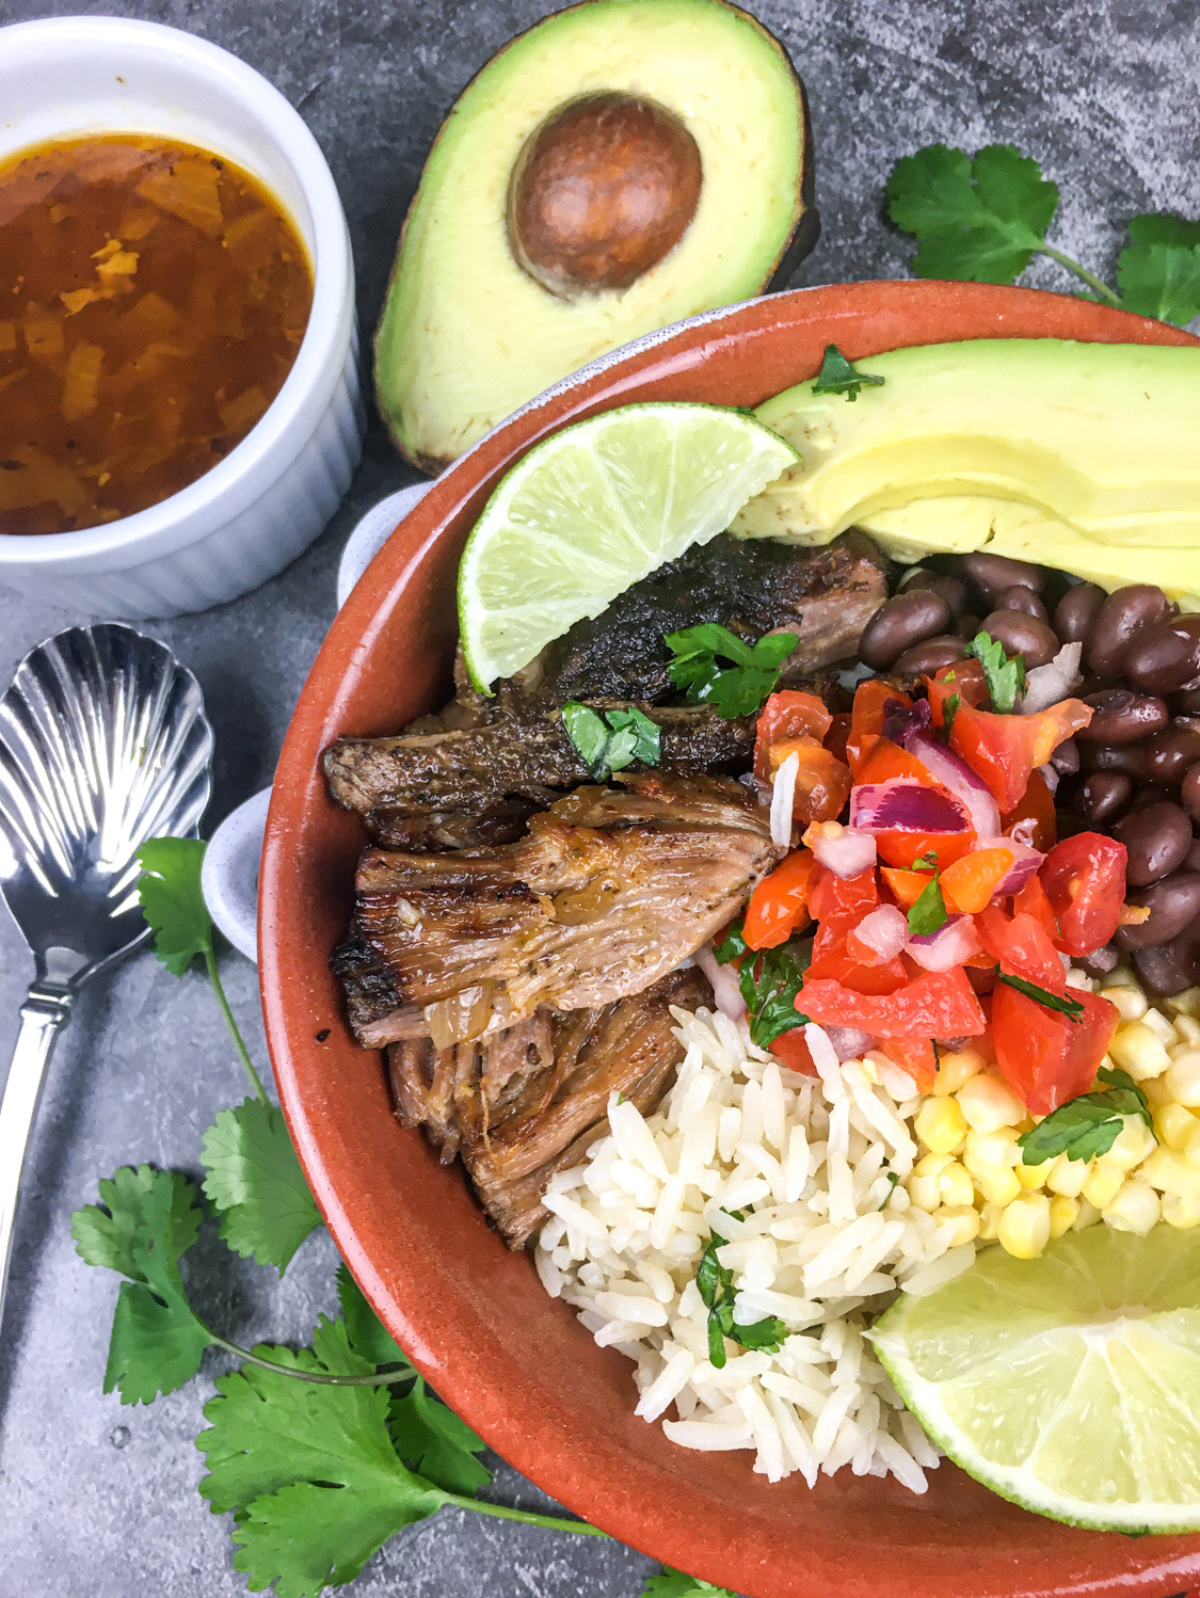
pixel 43 1016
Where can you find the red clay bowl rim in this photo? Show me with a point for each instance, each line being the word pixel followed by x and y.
pixel 604 1489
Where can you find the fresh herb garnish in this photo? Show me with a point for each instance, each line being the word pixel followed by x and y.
pixel 928 911
pixel 610 740
pixel 1005 673
pixel 735 690
pixel 840 376
pixel 714 1282
pixel 674 1584
pixel 1089 1125
pixel 983 219
pixel 1071 1008
pixel 770 980
pixel 949 711
pixel 732 946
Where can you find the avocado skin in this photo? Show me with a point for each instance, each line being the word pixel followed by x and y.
pixel 803 230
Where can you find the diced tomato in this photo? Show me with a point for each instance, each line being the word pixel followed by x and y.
pixel 840 903
pixel 1045 1057
pixel 779 905
pixel 940 1004
pixel 906 886
pixel 822 781
pixel 965 678
pixel 904 848
pixel 1003 750
pixel 866 721
pixel 968 884
pixel 787 714
pixel 838 736
pixel 1084 879
pixel 1032 901
pixel 1020 944
pixel 884 760
pixel 914 1056
pixel 790 1049
pixel 1037 805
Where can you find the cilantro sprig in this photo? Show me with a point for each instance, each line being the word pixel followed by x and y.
pixel 1005 674
pixel 736 689
pixel 982 220
pixel 1088 1125
pixel 714 1282
pixel 840 376
pixel 608 741
pixel 770 981
pixel 674 1584
pixel 927 914
pixel 1057 1002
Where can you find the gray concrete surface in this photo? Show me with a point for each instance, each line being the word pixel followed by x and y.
pixel 97 1501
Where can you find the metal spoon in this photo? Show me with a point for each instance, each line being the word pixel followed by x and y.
pixel 103 744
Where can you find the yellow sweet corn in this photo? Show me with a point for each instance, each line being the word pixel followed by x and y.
pixel 1135 1207
pixel 1130 1003
pixel 1131 1144
pixel 992 1148
pixel 1180 1212
pixel 989 1222
pixel 999 1185
pixel 1024 1228
pixel 1185 1003
pixel 1066 1176
pixel 940 1125
pixel 956 1069
pixel 965 1219
pixel 1064 1212
pixel 1103 1184
pixel 923 1186
pixel 1174 1125
pixel 1088 1215
pixel 1182 1080
pixel 1138 1049
pixel 955 1186
pixel 1171 1173
pixel 987 1103
pixel 1032 1177
pixel 1188 1029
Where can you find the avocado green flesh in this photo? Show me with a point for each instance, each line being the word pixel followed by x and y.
pixel 466 336
pixel 1082 456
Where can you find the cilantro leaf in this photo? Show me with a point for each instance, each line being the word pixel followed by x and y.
pixel 674 1584
pixel 732 946
pixel 1071 1008
pixel 149 1220
pixel 949 711
pixel 172 901
pixel 1159 273
pixel 736 690
pixel 714 1283
pixel 254 1180
pixel 1087 1126
pixel 770 982
pixel 368 1336
pixel 1005 673
pixel 608 741
pixel 928 912
pixel 840 376
pixel 978 220
pixel 431 1439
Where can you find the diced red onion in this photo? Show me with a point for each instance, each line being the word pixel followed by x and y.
pixel 900 721
pixel 783 794
pixel 954 942
pixel 724 980
pixel 884 931
pixel 848 1042
pixel 954 773
pixel 903 804
pixel 1026 860
pixel 1050 777
pixel 1058 679
pixel 840 849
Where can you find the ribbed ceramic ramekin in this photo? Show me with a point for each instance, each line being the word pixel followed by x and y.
pixel 269 498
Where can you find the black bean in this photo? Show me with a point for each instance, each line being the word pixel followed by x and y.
pixel 1111 757
pixel 1170 753
pixel 966 625
pixel 1191 860
pixel 1189 793
pixel 1122 615
pixel 1065 758
pixel 1122 717
pixel 1100 962
pixel 992 574
pixel 1105 795
pixel 1174 904
pixel 1022 599
pixel 1188 703
pixel 906 620
pixel 1157 836
pixel 952 589
pixel 929 656
pixel 1076 612
pixel 1150 794
pixel 1036 641
pixel 1165 656
pixel 1171 968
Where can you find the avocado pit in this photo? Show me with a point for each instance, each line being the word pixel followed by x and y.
pixel 601 192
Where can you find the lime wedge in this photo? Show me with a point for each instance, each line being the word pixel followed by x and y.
pixel 595 508
pixel 1069 1384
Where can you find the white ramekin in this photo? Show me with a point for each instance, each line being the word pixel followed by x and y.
pixel 269 498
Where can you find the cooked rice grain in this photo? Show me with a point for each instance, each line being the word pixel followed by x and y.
pixel 828 1238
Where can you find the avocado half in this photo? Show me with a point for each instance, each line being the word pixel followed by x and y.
pixel 474 325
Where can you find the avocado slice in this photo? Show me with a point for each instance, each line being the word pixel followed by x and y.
pixel 1099 436
pixel 958 524
pixel 621 165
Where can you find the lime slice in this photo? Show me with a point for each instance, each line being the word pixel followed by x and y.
pixel 595 508
pixel 1069 1384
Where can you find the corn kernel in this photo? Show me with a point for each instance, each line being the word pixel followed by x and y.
pixel 955 1069
pixel 1066 1177
pixel 1182 1080
pixel 1139 1050
pixel 932 1164
pixel 1088 1216
pixel 924 1192
pixel 989 1222
pixel 1131 1144
pixel 987 1103
pixel 1157 1091
pixel 940 1125
pixel 993 1148
pixel 1185 1003
pixel 1171 1173
pixel 1134 1209
pixel 1103 1184
pixel 1191 1149
pixel 999 1185
pixel 1188 1029
pixel 1180 1212
pixel 1064 1212
pixel 1130 1002
pixel 965 1219
pixel 955 1186
pixel 1174 1125
pixel 1032 1177
pixel 1024 1228
pixel 1160 1026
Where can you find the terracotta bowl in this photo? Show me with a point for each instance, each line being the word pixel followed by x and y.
pixel 514 1363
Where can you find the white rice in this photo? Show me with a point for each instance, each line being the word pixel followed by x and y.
pixel 817 1168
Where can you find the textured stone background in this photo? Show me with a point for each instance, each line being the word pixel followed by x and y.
pixel 97 1501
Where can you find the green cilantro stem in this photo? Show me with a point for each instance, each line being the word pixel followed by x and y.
pixel 502 1512
pixel 384 1379
pixel 1090 278
pixel 214 976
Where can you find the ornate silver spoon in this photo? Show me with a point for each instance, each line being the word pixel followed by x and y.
pixel 103 744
